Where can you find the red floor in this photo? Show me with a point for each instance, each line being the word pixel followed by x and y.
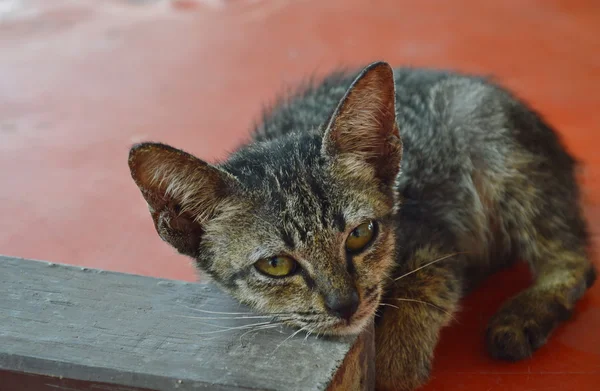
pixel 82 80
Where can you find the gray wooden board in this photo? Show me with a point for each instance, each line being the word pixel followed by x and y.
pixel 137 331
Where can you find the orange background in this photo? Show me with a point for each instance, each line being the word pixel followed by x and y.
pixel 80 81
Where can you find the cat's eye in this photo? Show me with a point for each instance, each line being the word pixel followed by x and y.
pixel 361 237
pixel 279 266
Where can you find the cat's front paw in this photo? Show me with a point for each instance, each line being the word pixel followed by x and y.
pixel 523 325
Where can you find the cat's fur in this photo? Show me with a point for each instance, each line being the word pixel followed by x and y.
pixel 484 181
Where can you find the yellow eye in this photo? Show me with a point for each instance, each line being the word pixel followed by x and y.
pixel 279 266
pixel 360 237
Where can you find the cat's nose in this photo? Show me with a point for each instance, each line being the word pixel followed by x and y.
pixel 342 306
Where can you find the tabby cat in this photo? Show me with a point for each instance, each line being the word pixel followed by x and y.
pixel 376 186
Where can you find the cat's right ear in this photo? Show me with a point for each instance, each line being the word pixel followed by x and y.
pixel 182 192
pixel 362 136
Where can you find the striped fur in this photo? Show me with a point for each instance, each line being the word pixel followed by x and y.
pixel 461 177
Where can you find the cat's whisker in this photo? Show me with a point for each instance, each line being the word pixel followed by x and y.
pixel 289 337
pixel 214 312
pixel 309 332
pixel 259 328
pixel 270 315
pixel 224 329
pixel 389 305
pixel 226 317
pixel 309 320
pixel 426 303
pixel 307 335
pixel 386 275
pixel 428 264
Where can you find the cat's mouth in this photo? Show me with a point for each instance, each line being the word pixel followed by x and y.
pixel 321 324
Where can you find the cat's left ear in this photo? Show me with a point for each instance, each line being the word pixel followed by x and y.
pixel 362 136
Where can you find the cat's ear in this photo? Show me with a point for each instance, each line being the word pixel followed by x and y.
pixel 362 135
pixel 182 192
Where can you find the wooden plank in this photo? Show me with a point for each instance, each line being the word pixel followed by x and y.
pixel 30 382
pixel 71 328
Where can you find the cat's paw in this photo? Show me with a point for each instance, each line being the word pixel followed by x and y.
pixel 523 325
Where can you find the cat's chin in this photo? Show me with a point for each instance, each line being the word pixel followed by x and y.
pixel 344 328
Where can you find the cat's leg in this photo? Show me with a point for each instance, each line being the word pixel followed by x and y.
pixel 417 305
pixel 555 244
pixel 524 323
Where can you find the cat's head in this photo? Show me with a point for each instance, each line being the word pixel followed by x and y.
pixel 300 226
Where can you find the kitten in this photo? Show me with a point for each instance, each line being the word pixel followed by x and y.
pixel 314 219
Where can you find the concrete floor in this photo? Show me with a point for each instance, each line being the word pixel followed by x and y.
pixel 81 80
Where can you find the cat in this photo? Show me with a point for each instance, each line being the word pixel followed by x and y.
pixel 389 190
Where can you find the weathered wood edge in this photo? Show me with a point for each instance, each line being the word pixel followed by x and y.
pixel 359 355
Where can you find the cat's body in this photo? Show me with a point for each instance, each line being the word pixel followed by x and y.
pixel 483 182
pixel 470 151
